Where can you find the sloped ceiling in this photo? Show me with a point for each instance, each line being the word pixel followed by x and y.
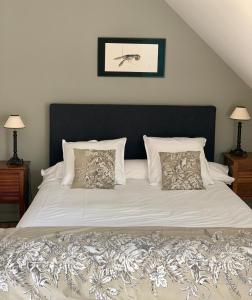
pixel 226 26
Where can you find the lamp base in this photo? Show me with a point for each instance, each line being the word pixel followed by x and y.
pixel 238 152
pixel 15 161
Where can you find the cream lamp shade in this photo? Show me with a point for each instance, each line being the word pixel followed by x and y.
pixel 240 113
pixel 14 122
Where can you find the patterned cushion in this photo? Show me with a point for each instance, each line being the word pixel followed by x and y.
pixel 181 170
pixel 94 169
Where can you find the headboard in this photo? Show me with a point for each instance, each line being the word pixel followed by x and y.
pixel 76 122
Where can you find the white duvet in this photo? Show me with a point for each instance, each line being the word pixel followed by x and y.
pixel 136 204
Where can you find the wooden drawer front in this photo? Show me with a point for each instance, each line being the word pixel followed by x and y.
pixel 10 185
pixel 9 197
pixel 244 174
pixel 244 166
pixel 244 187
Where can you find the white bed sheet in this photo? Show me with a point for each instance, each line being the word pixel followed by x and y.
pixel 136 204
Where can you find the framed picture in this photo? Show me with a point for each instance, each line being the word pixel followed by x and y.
pixel 131 57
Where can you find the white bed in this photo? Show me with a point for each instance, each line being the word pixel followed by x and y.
pixel 136 204
pixel 167 244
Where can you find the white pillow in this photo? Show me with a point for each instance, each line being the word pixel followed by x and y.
pixel 154 145
pixel 116 144
pixel 219 168
pixel 219 172
pixel 136 169
pixel 54 172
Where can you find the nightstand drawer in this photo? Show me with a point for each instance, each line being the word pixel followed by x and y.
pixel 244 167
pixel 9 196
pixel 244 174
pixel 241 169
pixel 244 187
pixel 10 185
pixel 14 185
pixel 10 181
pixel 241 172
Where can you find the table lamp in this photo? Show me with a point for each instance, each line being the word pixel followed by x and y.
pixel 14 122
pixel 240 113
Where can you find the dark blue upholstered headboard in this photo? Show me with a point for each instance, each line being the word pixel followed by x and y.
pixel 76 122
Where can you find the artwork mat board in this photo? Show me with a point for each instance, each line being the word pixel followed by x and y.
pixel 146 57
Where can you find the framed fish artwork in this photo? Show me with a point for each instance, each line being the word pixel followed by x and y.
pixel 131 57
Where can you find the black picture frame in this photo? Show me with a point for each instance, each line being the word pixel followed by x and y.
pixel 157 57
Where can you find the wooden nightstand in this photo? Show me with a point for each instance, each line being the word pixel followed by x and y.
pixel 241 169
pixel 14 185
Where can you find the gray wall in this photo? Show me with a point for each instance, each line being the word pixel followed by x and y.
pixel 48 53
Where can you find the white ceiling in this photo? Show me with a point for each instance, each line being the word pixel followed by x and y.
pixel 226 26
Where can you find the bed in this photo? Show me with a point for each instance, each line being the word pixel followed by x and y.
pixel 136 241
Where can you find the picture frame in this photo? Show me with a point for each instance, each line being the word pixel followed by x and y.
pixel 131 57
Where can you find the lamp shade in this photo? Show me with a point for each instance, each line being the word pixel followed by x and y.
pixel 240 113
pixel 14 122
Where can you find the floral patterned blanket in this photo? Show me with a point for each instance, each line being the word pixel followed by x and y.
pixel 120 263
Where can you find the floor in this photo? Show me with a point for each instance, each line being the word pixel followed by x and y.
pixel 249 203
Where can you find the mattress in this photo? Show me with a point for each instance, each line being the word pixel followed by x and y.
pixel 136 204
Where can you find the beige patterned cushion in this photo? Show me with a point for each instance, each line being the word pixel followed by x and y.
pixel 94 169
pixel 181 170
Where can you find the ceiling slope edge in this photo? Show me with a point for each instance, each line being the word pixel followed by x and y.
pixel 225 26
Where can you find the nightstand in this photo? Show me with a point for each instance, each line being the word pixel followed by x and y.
pixel 241 169
pixel 14 185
